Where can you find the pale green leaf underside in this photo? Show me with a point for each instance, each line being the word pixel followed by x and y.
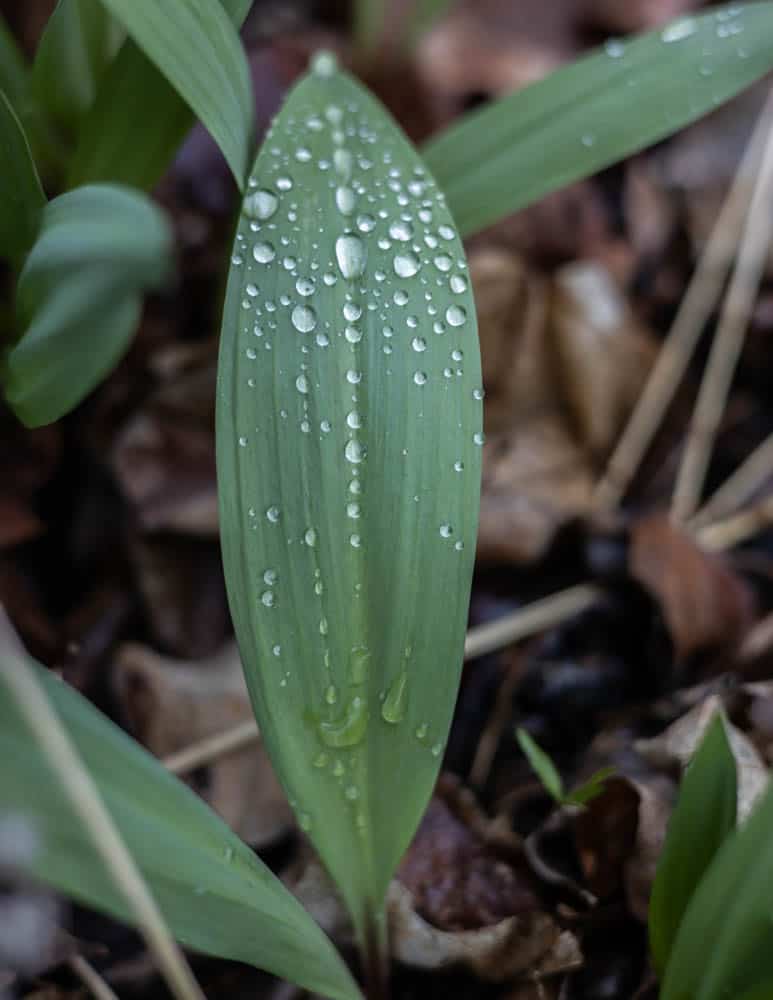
pixel 21 196
pixel 215 894
pixel 79 296
pixel 195 45
pixel 596 111
pixel 706 803
pixel 348 434
pixel 133 89
pixel 723 945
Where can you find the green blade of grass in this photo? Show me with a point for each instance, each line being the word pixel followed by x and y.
pixel 541 764
pixel 596 111
pixel 80 294
pixel 723 945
pixel 133 89
pixel 21 196
pixel 196 47
pixel 79 41
pixel 348 442
pixel 214 893
pixel 14 72
pixel 703 818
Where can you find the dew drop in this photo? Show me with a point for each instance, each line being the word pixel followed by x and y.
pixel 353 335
pixel 420 378
pixel 394 705
pixel 325 426
pixel 320 760
pixel 342 161
pixel 457 284
pixel 459 546
pixel 242 442
pixel 310 537
pixel 456 355
pixel 302 384
pixel 446 232
pixel 437 749
pixel 352 312
pixel 354 452
pixel 421 731
pixel 355 541
pixel 353 510
pixel 366 223
pixel 406 265
pixel 478 438
pixel 261 204
pixel 349 730
pixel 331 694
pixel 351 256
pixel 322 339
pixel 443 262
pixel 446 530
pixel 683 28
pixel 353 420
pixel 351 793
pixel 284 183
pixel 267 598
pixel 263 253
pixel 400 298
pixel 346 200
pixel 305 286
pixel 614 48
pixel 456 316
pixel 270 576
pixel 273 514
pixel 304 319
pixel 276 650
pixel 419 344
pixel 458 466
pixel 353 377
pixel 402 231
pixel 329 279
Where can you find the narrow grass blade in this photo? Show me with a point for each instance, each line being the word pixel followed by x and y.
pixel 21 196
pixel 704 817
pixel 133 89
pixel 80 294
pixel 597 110
pixel 79 41
pixel 541 764
pixel 723 944
pixel 216 896
pixel 196 47
pixel 348 437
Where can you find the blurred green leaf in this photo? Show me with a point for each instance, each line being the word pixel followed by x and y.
pixel 764 991
pixel 590 789
pixel 14 72
pixel 21 196
pixel 214 893
pixel 348 446
pixel 79 296
pixel 541 764
pixel 131 90
pixel 79 41
pixel 704 816
pixel 723 944
pixel 196 47
pixel 596 111
pixel 423 15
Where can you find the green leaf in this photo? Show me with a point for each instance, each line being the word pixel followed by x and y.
pixel 348 432
pixel 214 893
pixel 133 89
pixel 723 944
pixel 79 41
pixel 14 74
pixel 541 764
pixel 196 47
pixel 21 196
pixel 763 991
pixel 596 111
pixel 590 789
pixel 704 816
pixel 79 296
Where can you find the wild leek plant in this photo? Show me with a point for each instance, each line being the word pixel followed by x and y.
pixel 349 420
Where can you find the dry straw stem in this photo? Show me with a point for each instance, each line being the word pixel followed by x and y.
pixel 737 528
pixel 77 783
pixel 728 341
pixel 738 488
pixel 694 311
pixel 212 748
pixel 91 979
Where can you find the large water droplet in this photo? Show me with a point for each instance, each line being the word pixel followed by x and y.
pixel 352 312
pixel 350 729
pixel 353 334
pixel 261 204
pixel 394 705
pixel 401 230
pixel 305 286
pixel 324 64
pixel 263 253
pixel 457 284
pixel 354 452
pixel 456 316
pixel 304 319
pixel 406 265
pixel 351 256
pixel 419 344
pixel 346 200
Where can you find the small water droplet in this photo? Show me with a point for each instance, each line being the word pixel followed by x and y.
pixel 342 161
pixel 267 598
pixel 680 29
pixel 353 420
pixel 419 344
pixel 303 154
pixel 353 510
pixel 323 626
pixel 310 537
pixel 324 64
pixel 355 541
pixel 395 703
pixel 457 284
pixel 331 694
pixel 263 253
pixel 302 384
pixel 459 546
pixel 446 232
pixel 400 298
pixel 420 378
pixel 456 355
pixel 478 394
pixel 353 334
pixel 304 822
pixel 321 759
pixel 228 854
pixel 353 377
pixel 446 530
pixel 406 265
pixel 329 278
pixel 261 204
pixel 242 442
pixel 355 487
pixel 352 312
pixel 351 256
pixel 305 286
pixel 614 48
pixel 478 438
pixel 437 749
pixel 366 223
pixel 270 576
pixel 322 339
pixel 351 793
pixel 325 426
pixel 284 183
pixel 421 731
pixel 304 319
pixel 401 230
pixel 276 650
pixel 443 262
pixel 273 514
